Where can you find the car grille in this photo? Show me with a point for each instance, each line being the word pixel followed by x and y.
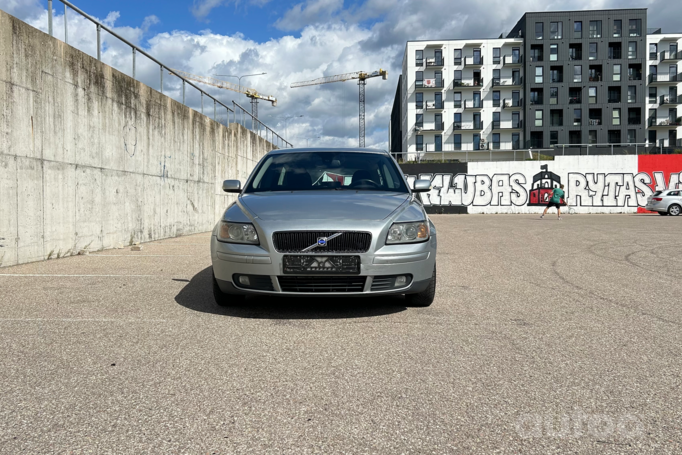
pixel 296 241
pixel 322 283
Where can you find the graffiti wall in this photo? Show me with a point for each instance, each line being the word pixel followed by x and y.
pixel 593 184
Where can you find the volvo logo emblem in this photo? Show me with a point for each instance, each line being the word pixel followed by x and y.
pixel 321 242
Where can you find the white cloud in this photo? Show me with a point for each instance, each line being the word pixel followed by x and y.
pixel 309 13
pixel 202 8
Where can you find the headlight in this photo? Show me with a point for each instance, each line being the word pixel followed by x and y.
pixel 238 233
pixel 408 233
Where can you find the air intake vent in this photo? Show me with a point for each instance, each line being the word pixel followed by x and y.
pixel 322 283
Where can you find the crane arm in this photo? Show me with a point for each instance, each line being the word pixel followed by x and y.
pixel 341 78
pixel 251 93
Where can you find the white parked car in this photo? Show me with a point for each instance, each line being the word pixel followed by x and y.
pixel 667 202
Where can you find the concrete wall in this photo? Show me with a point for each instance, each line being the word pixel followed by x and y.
pixel 92 159
pixel 593 184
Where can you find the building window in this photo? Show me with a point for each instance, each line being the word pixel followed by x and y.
pixel 457 78
pixel 614 94
pixel 538 30
pixel 595 29
pixel 632 49
pixel 554 95
pixel 536 96
pixel 556 117
pixel 420 143
pixel 496 141
pixel 458 100
pixel 578 30
pixel 458 141
pixel 538 117
pixel 496 77
pixel 635 27
pixel 553 52
pixel 577 73
pixel 556 30
pixel 536 52
pixel 593 51
pixel 577 117
pixel 496 99
pixel 420 101
pixel 575 95
pixel 419 120
pixel 516 141
pixel 419 79
pixel 593 136
pixel 617 28
pixel 632 136
pixel 438 145
pixel 653 51
pixel 632 94
pixel 553 138
pixel 458 56
pixel 538 74
pixel 616 73
pixel 614 136
pixel 458 121
pixel 574 137
pixel 652 95
pixel 496 56
pixel 592 95
pixel 634 116
pixel 616 116
pixel 575 51
pixel 419 57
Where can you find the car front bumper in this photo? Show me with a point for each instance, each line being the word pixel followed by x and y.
pixel 416 260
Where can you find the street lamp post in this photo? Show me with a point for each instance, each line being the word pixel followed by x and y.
pixel 286 124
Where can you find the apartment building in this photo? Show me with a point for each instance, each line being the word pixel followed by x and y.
pixel 575 78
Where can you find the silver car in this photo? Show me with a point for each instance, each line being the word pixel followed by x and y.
pixel 325 222
pixel 667 202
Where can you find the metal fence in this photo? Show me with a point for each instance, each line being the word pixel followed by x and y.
pixel 466 154
pixel 256 125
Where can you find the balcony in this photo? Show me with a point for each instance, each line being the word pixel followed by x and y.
pixel 509 83
pixel 666 123
pixel 469 126
pixel 508 125
pixel 634 120
pixel 427 84
pixel 473 61
pixel 595 122
pixel 665 79
pixel 473 104
pixel 435 105
pixel 431 128
pixel 512 60
pixel 667 56
pixel 536 102
pixel 512 103
pixel 575 100
pixel 476 83
pixel 666 100
pixel 435 62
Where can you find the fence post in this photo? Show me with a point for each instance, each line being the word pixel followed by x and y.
pixel 202 102
pixel 611 149
pixel 636 149
pixel 161 68
pixel 215 110
pixel 99 42
pixel 66 26
pixel 49 16
pixel 134 57
pixel 184 84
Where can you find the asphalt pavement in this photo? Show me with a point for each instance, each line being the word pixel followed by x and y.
pixel 546 336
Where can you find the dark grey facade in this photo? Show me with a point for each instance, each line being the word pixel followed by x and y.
pixel 608 90
pixel 396 139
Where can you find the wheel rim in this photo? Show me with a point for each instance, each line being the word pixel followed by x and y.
pixel 675 210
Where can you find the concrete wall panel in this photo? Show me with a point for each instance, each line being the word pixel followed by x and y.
pixel 91 159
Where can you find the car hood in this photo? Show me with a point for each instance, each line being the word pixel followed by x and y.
pixel 323 205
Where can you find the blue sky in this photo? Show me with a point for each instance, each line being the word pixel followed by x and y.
pixel 298 40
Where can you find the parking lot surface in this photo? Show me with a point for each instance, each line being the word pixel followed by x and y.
pixel 546 336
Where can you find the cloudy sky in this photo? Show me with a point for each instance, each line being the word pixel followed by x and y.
pixel 296 41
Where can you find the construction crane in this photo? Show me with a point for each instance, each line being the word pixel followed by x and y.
pixel 249 92
pixel 362 77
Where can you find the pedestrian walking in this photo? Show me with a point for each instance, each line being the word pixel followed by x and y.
pixel 555 201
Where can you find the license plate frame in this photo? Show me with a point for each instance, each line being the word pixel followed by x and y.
pixel 300 264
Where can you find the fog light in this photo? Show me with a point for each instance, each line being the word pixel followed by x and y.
pixel 400 281
pixel 244 280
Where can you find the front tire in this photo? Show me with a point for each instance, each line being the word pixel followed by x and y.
pixel 424 298
pixel 674 210
pixel 225 300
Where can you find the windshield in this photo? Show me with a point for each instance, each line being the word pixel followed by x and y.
pixel 307 171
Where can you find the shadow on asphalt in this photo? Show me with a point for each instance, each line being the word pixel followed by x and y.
pixel 197 295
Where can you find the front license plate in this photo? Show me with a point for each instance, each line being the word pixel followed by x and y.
pixel 321 264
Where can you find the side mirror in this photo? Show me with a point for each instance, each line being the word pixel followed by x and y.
pixel 232 186
pixel 421 186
